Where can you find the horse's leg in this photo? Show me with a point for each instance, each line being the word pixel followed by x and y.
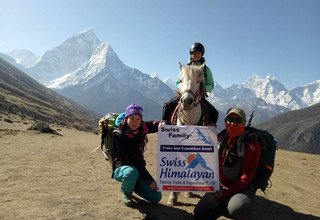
pixel 173 199
pixel 189 194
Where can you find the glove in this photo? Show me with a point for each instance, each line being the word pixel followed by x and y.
pixel 119 119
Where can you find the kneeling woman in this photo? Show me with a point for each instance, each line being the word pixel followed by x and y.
pixel 130 145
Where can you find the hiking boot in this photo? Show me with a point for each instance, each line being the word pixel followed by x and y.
pixel 127 199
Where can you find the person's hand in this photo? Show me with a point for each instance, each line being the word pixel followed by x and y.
pixel 163 122
pixel 153 186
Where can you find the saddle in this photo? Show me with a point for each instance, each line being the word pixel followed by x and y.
pixel 206 119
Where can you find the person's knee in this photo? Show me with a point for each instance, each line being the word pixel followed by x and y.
pixel 156 198
pixel 199 211
pixel 242 212
pixel 130 174
pixel 209 207
pixel 240 207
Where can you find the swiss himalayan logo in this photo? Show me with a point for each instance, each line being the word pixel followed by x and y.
pixel 195 159
pixel 198 135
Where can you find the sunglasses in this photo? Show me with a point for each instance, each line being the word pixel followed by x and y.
pixel 192 52
pixel 234 120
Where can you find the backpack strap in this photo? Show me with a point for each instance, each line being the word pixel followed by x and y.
pixel 114 151
pixel 248 136
pixel 221 137
pixel 104 131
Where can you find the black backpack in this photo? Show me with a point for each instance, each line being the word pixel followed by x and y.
pixel 267 157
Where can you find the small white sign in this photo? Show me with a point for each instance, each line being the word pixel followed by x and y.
pixel 188 158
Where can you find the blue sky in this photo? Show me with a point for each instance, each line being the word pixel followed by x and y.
pixel 276 37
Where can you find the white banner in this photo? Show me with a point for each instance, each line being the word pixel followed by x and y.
pixel 188 158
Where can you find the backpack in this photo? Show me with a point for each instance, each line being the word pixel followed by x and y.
pixel 267 157
pixel 107 128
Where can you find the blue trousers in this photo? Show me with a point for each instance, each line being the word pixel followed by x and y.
pixel 131 182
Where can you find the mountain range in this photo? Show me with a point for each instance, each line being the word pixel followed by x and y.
pixel 83 69
pixel 266 97
pixel 90 73
pixel 104 83
pixel 65 58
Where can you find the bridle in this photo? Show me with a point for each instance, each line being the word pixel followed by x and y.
pixel 196 95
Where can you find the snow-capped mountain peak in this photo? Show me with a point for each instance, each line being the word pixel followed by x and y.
pixel 97 62
pixel 169 82
pixel 89 69
pixel 153 75
pixel 65 58
pixel 255 81
pixel 88 34
pixel 24 57
pixel 269 89
pixel 308 94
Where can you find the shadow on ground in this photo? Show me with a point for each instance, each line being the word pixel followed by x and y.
pixel 264 210
pixel 160 211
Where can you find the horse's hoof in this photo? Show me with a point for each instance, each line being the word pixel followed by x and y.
pixel 188 195
pixel 172 200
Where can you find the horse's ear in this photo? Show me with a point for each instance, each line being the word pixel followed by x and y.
pixel 180 65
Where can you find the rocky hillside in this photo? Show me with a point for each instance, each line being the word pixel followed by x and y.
pixel 21 95
pixel 297 130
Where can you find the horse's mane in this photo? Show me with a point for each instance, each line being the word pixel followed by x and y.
pixel 194 72
pixel 192 91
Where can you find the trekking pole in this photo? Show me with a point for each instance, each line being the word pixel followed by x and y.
pixel 148 161
pixel 94 150
pixel 105 155
pixel 251 116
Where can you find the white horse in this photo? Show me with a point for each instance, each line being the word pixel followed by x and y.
pixel 189 110
pixel 191 90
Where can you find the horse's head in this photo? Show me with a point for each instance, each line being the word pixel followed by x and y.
pixel 191 85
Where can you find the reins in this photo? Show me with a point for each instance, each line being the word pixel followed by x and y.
pixel 195 95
